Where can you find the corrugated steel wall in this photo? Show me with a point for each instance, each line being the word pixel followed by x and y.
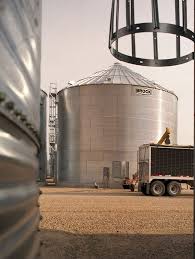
pixel 20 38
pixel 102 124
pixel 43 134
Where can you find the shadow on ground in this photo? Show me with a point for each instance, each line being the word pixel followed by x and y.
pixel 59 244
pixel 88 193
pixel 113 193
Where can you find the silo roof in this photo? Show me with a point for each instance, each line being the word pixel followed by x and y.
pixel 119 74
pixel 42 91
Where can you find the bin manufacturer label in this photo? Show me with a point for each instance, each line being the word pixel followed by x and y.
pixel 140 91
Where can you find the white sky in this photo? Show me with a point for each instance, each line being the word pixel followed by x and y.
pixel 75 45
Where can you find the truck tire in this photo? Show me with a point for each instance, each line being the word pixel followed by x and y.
pixel 143 190
pixel 132 187
pixel 157 188
pixel 173 188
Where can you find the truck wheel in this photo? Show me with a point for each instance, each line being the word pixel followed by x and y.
pixel 132 187
pixel 173 188
pixel 143 190
pixel 157 188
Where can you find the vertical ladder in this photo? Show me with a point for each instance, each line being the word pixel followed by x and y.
pixel 53 118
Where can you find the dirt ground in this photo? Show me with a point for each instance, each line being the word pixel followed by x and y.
pixel 88 223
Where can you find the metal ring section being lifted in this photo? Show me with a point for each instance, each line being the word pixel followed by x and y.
pixel 155 27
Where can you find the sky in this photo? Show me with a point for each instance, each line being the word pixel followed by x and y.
pixel 75 45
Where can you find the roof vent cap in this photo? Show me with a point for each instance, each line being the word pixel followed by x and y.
pixel 71 83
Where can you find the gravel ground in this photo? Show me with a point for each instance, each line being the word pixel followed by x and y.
pixel 88 223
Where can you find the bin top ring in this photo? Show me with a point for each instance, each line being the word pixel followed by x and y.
pixel 149 27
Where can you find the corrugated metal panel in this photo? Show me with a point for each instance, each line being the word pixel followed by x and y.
pixel 19 213
pixel 20 55
pixel 43 135
pixel 20 23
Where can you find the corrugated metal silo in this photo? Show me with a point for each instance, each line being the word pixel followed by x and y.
pixel 103 120
pixel 43 137
pixel 20 23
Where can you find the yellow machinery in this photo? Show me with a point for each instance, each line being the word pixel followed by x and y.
pixel 165 137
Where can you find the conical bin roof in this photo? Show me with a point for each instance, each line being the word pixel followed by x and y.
pixel 120 75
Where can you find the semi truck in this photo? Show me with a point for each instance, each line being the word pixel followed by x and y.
pixel 163 168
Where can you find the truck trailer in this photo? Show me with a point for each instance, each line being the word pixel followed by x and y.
pixel 163 168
